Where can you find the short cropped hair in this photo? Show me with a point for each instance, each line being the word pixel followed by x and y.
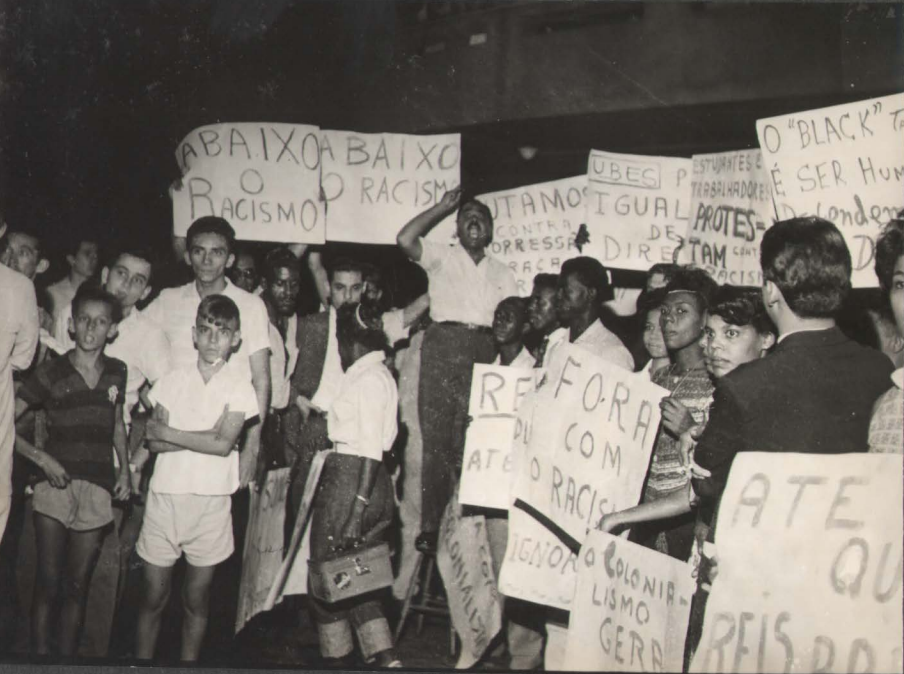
pixel 519 304
pixel 649 300
pixel 590 273
pixel 73 243
pixel 667 269
pixel 278 258
pixel 138 252
pixel 810 263
pixel 219 310
pixel 546 282
pixel 32 234
pixel 693 280
pixel 211 224
pixel 889 247
pixel 89 292
pixel 479 205
pixel 742 305
pixel 361 323
pixel 345 264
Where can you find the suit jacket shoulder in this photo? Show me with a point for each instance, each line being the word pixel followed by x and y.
pixel 312 338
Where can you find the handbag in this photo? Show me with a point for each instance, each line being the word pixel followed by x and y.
pixel 351 573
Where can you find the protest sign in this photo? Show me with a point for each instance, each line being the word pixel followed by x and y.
pixel 637 208
pixel 556 645
pixel 486 469
pixel 631 607
pixel 374 183
pixel 534 227
pixel 845 164
pixel 263 178
pixel 809 566
pixel 264 542
pixel 466 566
pixel 731 207
pixel 589 442
pixel 538 566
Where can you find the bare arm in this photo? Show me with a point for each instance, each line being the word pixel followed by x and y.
pixel 409 238
pixel 260 380
pixel 352 529
pixel 415 310
pixel 676 503
pixel 217 441
pixel 318 272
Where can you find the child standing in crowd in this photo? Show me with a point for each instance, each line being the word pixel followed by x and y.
pixel 199 412
pixel 510 325
pixel 83 392
pixel 542 314
pixel 649 310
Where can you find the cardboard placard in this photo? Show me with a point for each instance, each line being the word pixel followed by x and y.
pixel 534 227
pixel 589 441
pixel 262 177
pixel 486 469
pixel 731 207
pixel 538 567
pixel 844 163
pixel 631 608
pixel 264 543
pixel 637 208
pixel 809 554
pixel 374 183
pixel 465 564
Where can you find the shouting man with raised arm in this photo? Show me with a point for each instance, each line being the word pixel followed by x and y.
pixel 465 286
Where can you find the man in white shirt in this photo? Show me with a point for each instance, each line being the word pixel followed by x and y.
pixel 210 241
pixel 18 341
pixel 583 287
pixel 465 286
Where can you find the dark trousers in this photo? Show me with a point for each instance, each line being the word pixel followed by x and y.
pixel 447 361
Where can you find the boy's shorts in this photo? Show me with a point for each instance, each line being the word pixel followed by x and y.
pixel 199 526
pixel 80 505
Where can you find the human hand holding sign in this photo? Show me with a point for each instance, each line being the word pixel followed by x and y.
pixel 451 199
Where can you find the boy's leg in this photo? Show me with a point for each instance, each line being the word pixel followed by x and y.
pixel 82 555
pixel 157 581
pixel 195 605
pixel 50 538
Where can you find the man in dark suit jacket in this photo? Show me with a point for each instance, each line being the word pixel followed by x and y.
pixel 815 391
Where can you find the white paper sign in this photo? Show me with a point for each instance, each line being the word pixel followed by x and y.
pixel 534 227
pixel 845 164
pixel 374 183
pixel 731 207
pixel 538 567
pixel 630 608
pixel 465 564
pixel 589 441
pixel 809 566
pixel 637 208
pixel 262 177
pixel 486 469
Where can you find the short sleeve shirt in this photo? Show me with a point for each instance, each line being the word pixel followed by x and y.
pixel 460 290
pixel 363 420
pixel 175 311
pixel 80 419
pixel 597 340
pixel 194 405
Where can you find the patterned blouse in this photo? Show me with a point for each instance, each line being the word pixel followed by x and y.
pixel 694 390
pixel 886 427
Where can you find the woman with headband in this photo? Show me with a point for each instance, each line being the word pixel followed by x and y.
pixel 354 502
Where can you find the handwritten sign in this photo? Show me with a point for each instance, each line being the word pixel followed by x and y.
pixel 631 608
pixel 809 566
pixel 845 164
pixel 637 208
pixel 731 207
pixel 263 178
pixel 486 470
pixel 375 183
pixel 264 543
pixel 465 564
pixel 535 226
pixel 589 442
pixel 538 567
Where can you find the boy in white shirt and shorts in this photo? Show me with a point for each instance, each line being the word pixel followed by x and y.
pixel 199 412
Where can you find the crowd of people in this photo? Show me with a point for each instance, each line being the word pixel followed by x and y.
pixel 151 424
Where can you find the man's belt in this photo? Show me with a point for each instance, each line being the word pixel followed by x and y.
pixel 468 326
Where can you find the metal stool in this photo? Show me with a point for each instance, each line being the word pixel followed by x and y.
pixel 429 603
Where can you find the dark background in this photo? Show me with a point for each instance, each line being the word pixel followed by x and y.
pixel 95 95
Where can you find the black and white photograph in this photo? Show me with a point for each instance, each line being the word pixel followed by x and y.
pixel 490 335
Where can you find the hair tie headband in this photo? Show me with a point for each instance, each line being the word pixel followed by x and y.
pixel 358 318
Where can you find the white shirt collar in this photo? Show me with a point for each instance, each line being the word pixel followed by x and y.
pixel 365 361
pixel 897 377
